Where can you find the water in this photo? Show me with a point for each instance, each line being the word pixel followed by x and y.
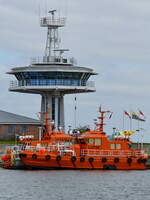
pixel 74 185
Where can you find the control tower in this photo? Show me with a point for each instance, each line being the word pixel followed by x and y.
pixel 53 75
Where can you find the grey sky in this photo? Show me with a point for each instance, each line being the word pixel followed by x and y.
pixel 112 36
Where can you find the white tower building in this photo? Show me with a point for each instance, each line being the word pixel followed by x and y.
pixel 53 75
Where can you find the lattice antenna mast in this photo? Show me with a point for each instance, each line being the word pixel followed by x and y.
pixel 101 118
pixel 53 41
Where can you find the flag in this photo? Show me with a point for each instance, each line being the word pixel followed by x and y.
pixel 100 109
pixel 126 113
pixel 136 117
pixel 141 113
pixel 110 115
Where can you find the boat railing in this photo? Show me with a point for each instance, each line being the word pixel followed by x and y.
pixel 49 148
pixel 110 153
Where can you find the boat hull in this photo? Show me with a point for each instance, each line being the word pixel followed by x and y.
pixel 88 163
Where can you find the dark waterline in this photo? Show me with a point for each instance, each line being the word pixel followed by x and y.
pixel 74 185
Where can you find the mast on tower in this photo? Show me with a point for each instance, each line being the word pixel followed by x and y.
pixel 52 42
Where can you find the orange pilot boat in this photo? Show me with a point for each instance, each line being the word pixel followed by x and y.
pixel 91 149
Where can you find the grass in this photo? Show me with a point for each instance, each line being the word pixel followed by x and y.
pixel 7 142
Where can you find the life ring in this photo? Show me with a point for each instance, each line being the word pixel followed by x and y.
pixel 91 160
pixel 144 160
pixel 73 158
pixel 116 160
pixel 139 160
pixel 82 159
pixel 34 156
pixel 22 155
pixel 104 160
pixel 129 160
pixel 58 158
pixel 47 157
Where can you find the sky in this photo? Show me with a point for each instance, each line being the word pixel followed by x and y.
pixel 110 36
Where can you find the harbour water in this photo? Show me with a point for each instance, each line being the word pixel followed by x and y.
pixel 74 185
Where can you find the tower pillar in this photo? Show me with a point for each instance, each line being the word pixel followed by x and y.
pixel 54 105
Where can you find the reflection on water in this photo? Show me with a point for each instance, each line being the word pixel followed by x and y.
pixel 74 185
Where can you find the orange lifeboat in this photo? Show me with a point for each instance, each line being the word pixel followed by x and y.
pixel 90 150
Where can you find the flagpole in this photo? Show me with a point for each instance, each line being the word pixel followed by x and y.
pixel 142 140
pixel 131 123
pixel 143 115
pixel 130 119
pixel 140 143
pixel 123 122
pixel 138 134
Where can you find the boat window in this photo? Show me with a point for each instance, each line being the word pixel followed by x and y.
pixel 118 146
pixel 91 141
pixel 112 146
pixel 97 142
pixel 66 144
pixel 73 141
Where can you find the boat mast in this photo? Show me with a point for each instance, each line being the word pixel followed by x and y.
pixel 101 118
pixel 101 123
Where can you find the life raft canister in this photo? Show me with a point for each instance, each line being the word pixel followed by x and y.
pixel 34 156
pixel 91 160
pixel 73 158
pixel 82 159
pixel 104 160
pixel 116 160
pixel 47 157
pixel 58 158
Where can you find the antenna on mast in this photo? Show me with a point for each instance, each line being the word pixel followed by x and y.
pixel 45 7
pixel 52 11
pixel 75 112
pixel 39 11
pixel 52 42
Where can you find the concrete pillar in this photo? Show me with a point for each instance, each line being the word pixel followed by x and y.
pixel 43 108
pixel 56 119
pixel 49 105
pixel 54 105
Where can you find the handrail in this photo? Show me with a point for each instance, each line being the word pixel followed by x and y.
pixel 52 59
pixel 51 82
pixel 50 148
pixel 110 153
pixel 47 21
